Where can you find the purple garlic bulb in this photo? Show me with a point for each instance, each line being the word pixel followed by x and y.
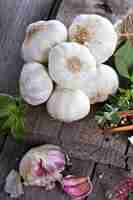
pixel 77 187
pixel 42 166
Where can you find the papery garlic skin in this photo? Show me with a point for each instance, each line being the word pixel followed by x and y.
pixel 71 65
pixel 13 185
pixel 35 84
pixel 95 32
pixel 77 187
pixel 118 28
pixel 107 83
pixel 42 166
pixel 40 37
pixel 68 105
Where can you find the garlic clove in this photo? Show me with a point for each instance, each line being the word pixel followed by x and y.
pixel 95 32
pixel 35 84
pixel 107 83
pixel 59 161
pixel 68 105
pixel 40 37
pixel 118 29
pixel 71 65
pixel 13 185
pixel 42 166
pixel 77 187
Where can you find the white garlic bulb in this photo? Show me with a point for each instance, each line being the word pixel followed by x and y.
pixel 35 84
pixel 107 83
pixel 68 105
pixel 40 37
pixel 95 32
pixel 71 65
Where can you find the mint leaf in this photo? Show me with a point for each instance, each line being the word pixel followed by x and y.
pixel 124 59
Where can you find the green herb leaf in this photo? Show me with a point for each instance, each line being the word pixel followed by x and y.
pixel 124 59
pixel 130 197
pixel 12 112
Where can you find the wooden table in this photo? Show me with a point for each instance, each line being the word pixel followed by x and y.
pixel 92 153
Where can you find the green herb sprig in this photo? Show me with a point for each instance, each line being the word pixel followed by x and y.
pixel 12 114
pixel 108 115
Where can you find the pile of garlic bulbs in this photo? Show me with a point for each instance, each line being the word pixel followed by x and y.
pixel 75 63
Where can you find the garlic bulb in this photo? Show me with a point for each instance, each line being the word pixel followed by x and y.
pixel 42 166
pixel 107 83
pixel 68 105
pixel 77 187
pixel 40 37
pixel 95 32
pixel 35 84
pixel 71 65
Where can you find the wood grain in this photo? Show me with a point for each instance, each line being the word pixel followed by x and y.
pixel 105 179
pixel 10 156
pixel 83 139
pixel 40 127
pixel 15 15
pixel 33 193
pixel 81 168
pixel 111 9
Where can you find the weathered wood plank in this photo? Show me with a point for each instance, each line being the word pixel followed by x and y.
pixel 114 149
pixel 84 140
pixel 105 179
pixel 10 156
pixel 112 9
pixel 40 127
pixel 33 193
pixel 97 147
pixel 13 25
pixel 14 17
pixel 130 157
pixel 81 168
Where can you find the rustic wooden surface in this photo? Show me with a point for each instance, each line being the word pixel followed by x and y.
pixel 105 158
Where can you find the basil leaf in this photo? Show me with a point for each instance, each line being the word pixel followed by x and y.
pixel 124 59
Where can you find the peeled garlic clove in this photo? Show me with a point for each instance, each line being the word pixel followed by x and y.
pixel 42 166
pixel 95 32
pixel 13 185
pixel 35 84
pixel 107 83
pixel 68 105
pixel 71 65
pixel 77 187
pixel 40 37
